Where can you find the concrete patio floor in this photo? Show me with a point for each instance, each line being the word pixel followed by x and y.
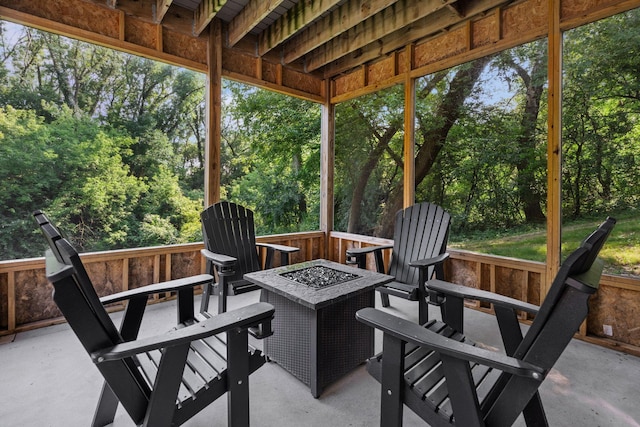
pixel 46 379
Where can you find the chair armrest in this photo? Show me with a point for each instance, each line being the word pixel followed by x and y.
pixel 242 318
pixel 367 249
pixel 169 286
pixel 219 260
pixel 480 295
pixel 279 248
pixel 359 256
pixel 422 263
pixel 411 332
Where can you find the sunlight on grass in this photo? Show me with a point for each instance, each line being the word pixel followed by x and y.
pixel 621 253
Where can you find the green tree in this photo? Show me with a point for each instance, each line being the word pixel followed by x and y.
pixel 27 180
pixel 271 156
pixel 601 100
pixel 71 168
pixel 369 144
pixel 126 135
pixel 433 129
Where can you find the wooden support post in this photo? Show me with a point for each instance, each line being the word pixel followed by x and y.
pixel 409 140
pixel 554 148
pixel 125 274
pixel 159 38
pixel 327 150
pixel 167 266
pixel 214 115
pixel 121 26
pixel 259 69
pixel 11 300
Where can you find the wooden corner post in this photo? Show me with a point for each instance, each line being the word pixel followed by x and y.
pixel 554 147
pixel 409 191
pixel 213 115
pixel 327 162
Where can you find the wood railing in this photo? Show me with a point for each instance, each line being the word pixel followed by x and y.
pixel 612 320
pixel 25 295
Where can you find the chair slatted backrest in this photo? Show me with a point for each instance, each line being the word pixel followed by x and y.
pixel 229 229
pixel 421 231
pixel 565 307
pixel 78 301
pixel 577 263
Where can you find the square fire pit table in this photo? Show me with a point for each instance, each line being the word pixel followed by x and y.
pixel 316 336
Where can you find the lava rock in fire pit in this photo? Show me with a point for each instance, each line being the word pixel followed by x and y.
pixel 319 276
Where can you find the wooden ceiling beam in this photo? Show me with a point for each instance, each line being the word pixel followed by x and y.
pixel 205 12
pixel 294 20
pixel 420 29
pixel 162 6
pixel 249 17
pixel 142 9
pixel 330 26
pixel 394 18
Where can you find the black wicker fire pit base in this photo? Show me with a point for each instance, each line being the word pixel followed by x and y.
pixel 316 335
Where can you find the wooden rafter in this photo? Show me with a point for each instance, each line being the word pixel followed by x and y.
pixel 162 6
pixel 396 17
pixel 332 25
pixel 457 9
pixel 250 16
pixel 294 20
pixel 205 13
pixel 141 9
pixel 424 27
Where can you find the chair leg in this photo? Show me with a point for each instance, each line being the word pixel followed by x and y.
pixel 385 299
pixel 106 409
pixel 162 402
pixel 423 310
pixel 206 294
pixel 534 415
pixel 222 297
pixel 238 376
pixel 391 404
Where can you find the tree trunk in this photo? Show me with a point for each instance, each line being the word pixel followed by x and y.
pixel 528 193
pixel 355 210
pixel 434 138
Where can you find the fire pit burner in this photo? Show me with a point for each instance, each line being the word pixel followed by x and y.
pixel 319 276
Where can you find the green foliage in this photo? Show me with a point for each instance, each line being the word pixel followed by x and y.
pixel 95 138
pixel 271 156
pixel 368 158
pixel 621 253
pixel 485 146
pixel 600 116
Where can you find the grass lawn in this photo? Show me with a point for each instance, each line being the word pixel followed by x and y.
pixel 621 252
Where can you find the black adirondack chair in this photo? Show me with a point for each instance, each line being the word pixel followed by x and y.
pixel 441 376
pixel 419 244
pixel 231 249
pixel 161 380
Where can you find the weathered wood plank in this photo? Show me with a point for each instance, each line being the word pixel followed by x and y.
pixel 250 16
pixel 205 12
pixel 48 19
pixel 331 26
pixel 141 9
pixel 162 6
pixel 394 18
pixel 441 19
pixel 291 22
